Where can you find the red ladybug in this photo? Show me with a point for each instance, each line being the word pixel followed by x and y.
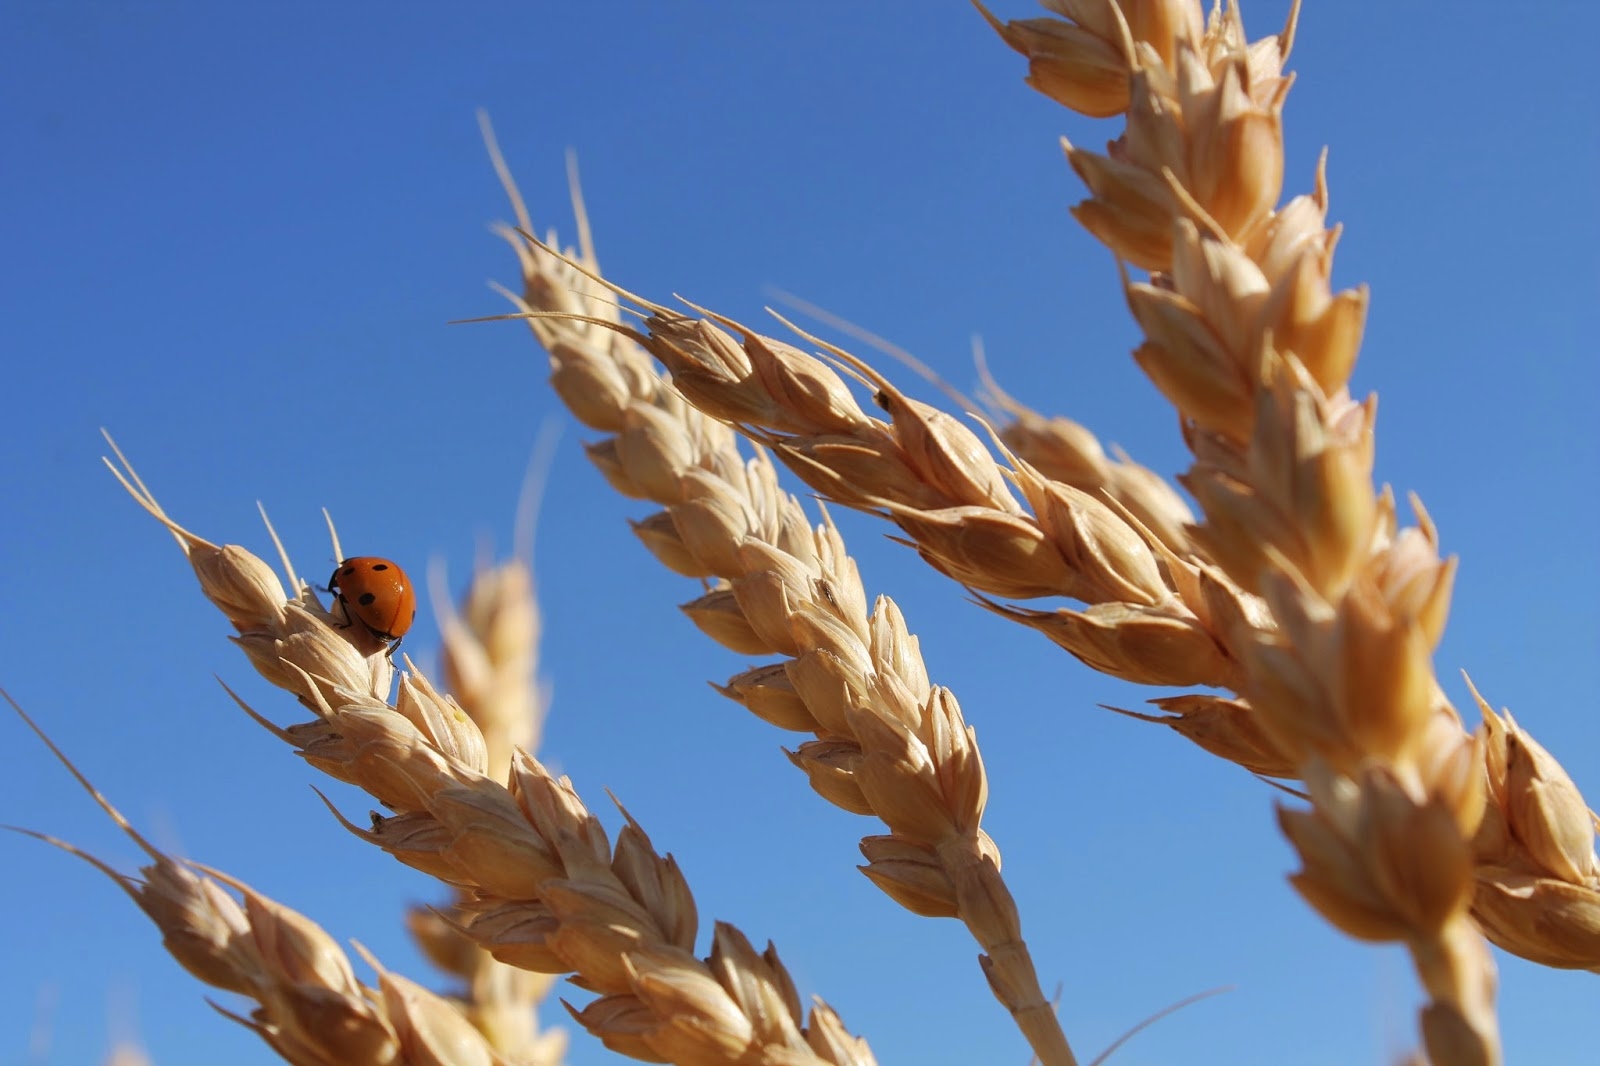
pixel 376 593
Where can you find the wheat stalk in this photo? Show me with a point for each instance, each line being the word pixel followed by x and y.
pixel 550 891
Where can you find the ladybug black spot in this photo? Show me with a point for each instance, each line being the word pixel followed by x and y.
pixel 380 566
pixel 366 599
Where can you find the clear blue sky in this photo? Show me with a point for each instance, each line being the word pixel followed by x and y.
pixel 234 234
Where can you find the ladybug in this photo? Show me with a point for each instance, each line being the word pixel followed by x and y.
pixel 376 593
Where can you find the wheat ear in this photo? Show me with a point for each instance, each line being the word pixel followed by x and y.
pixel 310 1009
pixel 1154 617
pixel 1067 452
pixel 1246 337
pixel 488 655
pixel 550 891
pixel 887 742
pixel 1056 446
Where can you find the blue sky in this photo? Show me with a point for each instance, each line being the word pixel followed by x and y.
pixel 235 236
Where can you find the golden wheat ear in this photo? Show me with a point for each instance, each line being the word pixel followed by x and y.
pixel 548 890
pixel 488 661
pixel 297 975
pixel 885 741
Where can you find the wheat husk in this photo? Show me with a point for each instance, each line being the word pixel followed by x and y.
pixel 488 659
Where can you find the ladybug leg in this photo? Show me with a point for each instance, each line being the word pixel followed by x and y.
pixel 332 589
pixel 341 602
pixel 394 642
